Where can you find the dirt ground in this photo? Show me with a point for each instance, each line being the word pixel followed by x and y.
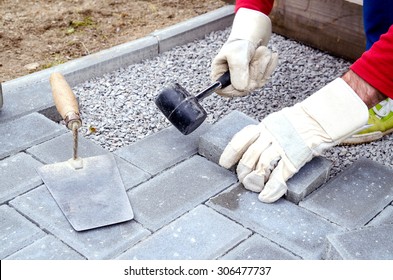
pixel 35 35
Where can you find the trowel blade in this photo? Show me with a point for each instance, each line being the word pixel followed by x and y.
pixel 90 197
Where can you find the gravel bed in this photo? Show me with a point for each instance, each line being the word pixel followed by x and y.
pixel 118 108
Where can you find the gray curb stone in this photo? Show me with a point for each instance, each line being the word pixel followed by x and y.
pixel 292 227
pixel 16 231
pixel 200 234
pixel 259 248
pixel 355 196
pixel 385 217
pixel 25 132
pixel 47 248
pixel 31 93
pixel 14 182
pixel 369 243
pixel 101 243
pixel 178 190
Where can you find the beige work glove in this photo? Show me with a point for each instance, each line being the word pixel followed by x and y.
pixel 273 151
pixel 245 54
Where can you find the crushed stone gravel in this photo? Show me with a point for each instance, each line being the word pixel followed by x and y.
pixel 118 108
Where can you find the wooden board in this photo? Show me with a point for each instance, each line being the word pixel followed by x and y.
pixel 335 26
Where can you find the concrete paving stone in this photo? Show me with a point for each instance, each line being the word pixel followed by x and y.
pixel 16 231
pixel 47 248
pixel 308 179
pixel 200 234
pixel 195 28
pixel 101 243
pixel 385 217
pixel 60 148
pixel 290 226
pixel 355 196
pixel 178 190
pixel 18 175
pixel 214 141
pixel 369 243
pixel 25 132
pixel 259 248
pixel 162 150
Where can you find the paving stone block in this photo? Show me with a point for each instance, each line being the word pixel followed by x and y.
pixel 195 28
pixel 162 150
pixel 18 175
pixel 47 248
pixel 355 196
pixel 385 217
pixel 213 142
pixel 308 179
pixel 200 234
pixel 16 231
pixel 292 227
pixel 369 243
pixel 101 243
pixel 49 152
pixel 176 191
pixel 259 248
pixel 25 132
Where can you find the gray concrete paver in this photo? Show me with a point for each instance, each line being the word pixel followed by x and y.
pixel 178 190
pixel 25 132
pixel 14 182
pixel 162 150
pixel 292 227
pixel 47 248
pixel 354 197
pixel 16 231
pixel 101 243
pixel 200 234
pixel 369 243
pixel 259 248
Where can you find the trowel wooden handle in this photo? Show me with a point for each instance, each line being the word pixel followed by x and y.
pixel 65 100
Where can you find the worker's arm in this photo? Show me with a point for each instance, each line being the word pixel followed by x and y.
pixel 375 66
pixel 245 53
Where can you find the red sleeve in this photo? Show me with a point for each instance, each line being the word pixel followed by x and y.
pixel 375 66
pixel 264 6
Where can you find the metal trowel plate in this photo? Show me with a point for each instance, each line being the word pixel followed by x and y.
pixel 90 197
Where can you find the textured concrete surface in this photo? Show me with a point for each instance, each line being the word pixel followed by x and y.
pixel 186 206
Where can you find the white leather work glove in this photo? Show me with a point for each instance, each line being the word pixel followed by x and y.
pixel 245 54
pixel 273 151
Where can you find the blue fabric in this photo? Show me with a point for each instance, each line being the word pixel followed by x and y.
pixel 378 17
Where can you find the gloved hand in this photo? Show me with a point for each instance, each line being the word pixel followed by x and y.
pixel 245 53
pixel 273 151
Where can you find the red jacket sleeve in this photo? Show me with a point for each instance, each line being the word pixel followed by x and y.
pixel 264 6
pixel 375 66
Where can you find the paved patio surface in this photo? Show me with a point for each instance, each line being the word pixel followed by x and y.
pixel 186 206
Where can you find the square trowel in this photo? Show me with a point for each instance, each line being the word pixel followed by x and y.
pixel 89 191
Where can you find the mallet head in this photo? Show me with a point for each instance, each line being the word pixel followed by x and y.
pixel 181 108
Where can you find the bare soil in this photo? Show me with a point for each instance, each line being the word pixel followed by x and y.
pixel 35 35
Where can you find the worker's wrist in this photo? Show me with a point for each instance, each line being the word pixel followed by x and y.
pixel 370 95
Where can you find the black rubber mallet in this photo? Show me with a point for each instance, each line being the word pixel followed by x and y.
pixel 182 109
